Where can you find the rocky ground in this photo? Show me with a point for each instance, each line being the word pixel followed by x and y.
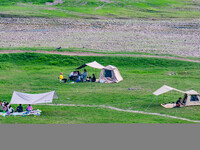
pixel 150 36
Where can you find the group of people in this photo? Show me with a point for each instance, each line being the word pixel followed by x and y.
pixel 79 77
pixel 6 107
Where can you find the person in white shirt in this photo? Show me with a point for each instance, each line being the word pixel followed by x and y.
pixel 71 75
pixel 10 109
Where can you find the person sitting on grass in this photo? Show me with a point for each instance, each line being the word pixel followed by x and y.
pixel 71 76
pixel 29 108
pixel 178 102
pixel 62 78
pixel 10 110
pixel 19 108
pixel 4 106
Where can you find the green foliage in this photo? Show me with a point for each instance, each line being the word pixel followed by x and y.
pixel 59 60
pixel 81 115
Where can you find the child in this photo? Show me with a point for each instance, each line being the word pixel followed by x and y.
pixel 29 108
pixel 62 78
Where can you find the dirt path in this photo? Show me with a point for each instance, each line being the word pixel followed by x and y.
pixel 95 54
pixel 123 110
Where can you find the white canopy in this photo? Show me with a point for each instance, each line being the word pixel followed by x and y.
pixel 165 89
pixel 93 64
pixel 25 98
pixel 192 92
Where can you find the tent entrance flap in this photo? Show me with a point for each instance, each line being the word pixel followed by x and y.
pixel 107 73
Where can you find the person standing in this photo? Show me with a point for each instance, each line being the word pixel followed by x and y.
pixel 93 78
pixel 84 75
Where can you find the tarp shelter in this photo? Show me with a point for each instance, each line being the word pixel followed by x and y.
pixel 93 64
pixel 190 98
pixel 25 98
pixel 110 74
pixel 165 89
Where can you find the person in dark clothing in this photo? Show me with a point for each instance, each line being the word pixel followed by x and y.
pixel 93 78
pixel 19 108
pixel 178 102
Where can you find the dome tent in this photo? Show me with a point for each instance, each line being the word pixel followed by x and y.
pixel 110 74
pixel 190 97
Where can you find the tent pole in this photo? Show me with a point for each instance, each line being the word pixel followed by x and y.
pixel 157 100
pixel 56 105
pixel 149 105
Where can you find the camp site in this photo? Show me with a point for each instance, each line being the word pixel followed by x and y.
pixel 79 63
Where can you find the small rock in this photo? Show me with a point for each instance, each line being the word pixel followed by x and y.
pixel 133 88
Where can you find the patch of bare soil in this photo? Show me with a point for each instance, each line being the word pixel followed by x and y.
pixel 148 36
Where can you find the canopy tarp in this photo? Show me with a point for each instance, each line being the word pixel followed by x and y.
pixel 165 89
pixel 93 64
pixel 192 92
pixel 25 98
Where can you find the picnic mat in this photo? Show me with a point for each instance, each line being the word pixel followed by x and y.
pixel 24 113
pixel 170 105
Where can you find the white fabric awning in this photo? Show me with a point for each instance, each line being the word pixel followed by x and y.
pixel 25 98
pixel 93 64
pixel 165 89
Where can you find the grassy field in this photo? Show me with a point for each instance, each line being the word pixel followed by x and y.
pixel 85 50
pixel 50 49
pixel 37 73
pixel 97 9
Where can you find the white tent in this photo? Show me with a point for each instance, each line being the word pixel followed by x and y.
pixel 110 74
pixel 25 98
pixel 93 64
pixel 190 98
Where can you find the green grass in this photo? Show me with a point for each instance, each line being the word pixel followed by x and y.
pixel 88 50
pixel 81 115
pixel 94 8
pixel 37 73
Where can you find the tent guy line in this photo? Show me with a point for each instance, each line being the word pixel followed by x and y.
pixel 123 110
